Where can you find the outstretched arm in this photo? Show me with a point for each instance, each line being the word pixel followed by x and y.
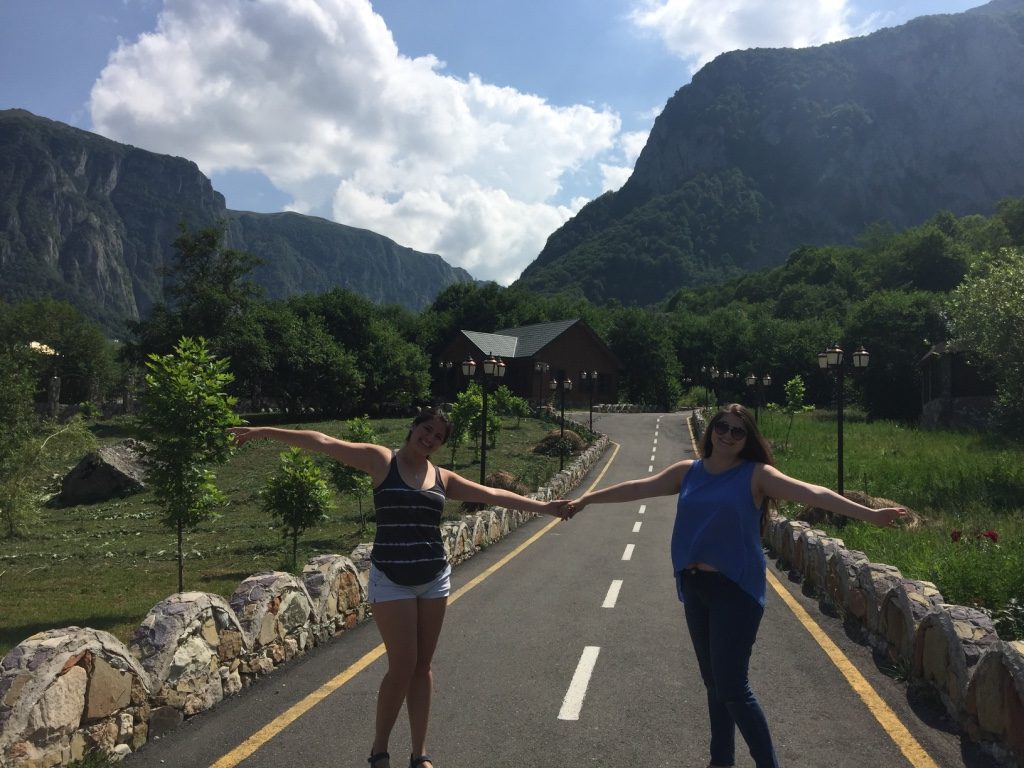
pixel 371 459
pixel 459 488
pixel 769 481
pixel 665 483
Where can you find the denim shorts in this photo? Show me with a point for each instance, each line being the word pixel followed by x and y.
pixel 381 589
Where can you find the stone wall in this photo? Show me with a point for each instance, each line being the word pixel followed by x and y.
pixel 951 648
pixel 65 692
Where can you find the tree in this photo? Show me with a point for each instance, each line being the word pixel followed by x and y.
pixel 794 404
pixel 297 496
pixel 185 414
pixel 208 291
pixel 31 451
pixel 985 314
pixel 347 479
pixel 464 415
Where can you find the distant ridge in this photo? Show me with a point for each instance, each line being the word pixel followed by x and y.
pixel 91 221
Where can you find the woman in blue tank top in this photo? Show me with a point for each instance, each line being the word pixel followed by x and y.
pixel 409 573
pixel 719 564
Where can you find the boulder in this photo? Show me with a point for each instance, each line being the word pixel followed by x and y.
pixel 109 472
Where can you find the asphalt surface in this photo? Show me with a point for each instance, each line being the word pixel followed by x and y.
pixel 509 688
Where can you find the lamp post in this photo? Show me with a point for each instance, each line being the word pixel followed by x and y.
pixel 833 358
pixel 756 383
pixel 540 369
pixel 565 385
pixel 591 380
pixel 493 368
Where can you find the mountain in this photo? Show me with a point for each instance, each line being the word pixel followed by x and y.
pixel 91 221
pixel 769 149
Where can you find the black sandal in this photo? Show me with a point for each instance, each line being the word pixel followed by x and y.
pixel 373 759
pixel 415 761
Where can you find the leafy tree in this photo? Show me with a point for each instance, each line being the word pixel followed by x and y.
pixel 652 373
pixel 31 451
pixel 794 404
pixel 507 404
pixel 893 326
pixel 208 290
pixel 347 479
pixel 465 419
pixel 85 361
pixel 297 496
pixel 985 317
pixel 185 413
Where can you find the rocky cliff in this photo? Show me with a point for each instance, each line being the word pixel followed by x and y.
pixel 91 221
pixel 766 150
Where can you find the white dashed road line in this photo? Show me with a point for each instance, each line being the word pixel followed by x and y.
pixel 613 594
pixel 628 553
pixel 573 701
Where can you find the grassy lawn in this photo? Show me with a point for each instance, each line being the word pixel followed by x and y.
pixel 963 484
pixel 105 565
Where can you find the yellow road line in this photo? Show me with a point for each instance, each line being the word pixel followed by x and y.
pixel 890 722
pixel 297 710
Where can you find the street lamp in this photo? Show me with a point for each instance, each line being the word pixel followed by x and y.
pixel 493 368
pixel 754 381
pixel 591 379
pixel 833 358
pixel 565 385
pixel 540 369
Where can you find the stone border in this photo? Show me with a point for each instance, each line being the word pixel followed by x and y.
pixel 68 691
pixel 950 648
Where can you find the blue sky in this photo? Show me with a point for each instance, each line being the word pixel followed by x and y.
pixel 468 128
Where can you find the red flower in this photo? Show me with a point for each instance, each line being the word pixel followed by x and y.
pixel 991 535
pixel 955 534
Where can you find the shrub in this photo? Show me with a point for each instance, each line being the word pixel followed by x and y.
pixel 556 444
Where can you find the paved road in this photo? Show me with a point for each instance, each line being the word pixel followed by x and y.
pixel 530 616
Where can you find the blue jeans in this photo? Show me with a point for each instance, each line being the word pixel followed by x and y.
pixel 723 622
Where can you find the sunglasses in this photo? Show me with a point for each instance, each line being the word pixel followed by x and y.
pixel 737 433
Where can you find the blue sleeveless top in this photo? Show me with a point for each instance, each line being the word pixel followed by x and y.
pixel 408 548
pixel 718 523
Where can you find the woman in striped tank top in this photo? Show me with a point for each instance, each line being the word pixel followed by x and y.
pixel 409 578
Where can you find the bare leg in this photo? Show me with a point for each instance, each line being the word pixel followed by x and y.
pixel 429 620
pixel 396 621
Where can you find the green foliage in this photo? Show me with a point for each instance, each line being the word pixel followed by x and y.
pixel 209 291
pixel 297 496
pixel 793 405
pixel 985 318
pixel 185 413
pixel 346 479
pixel 962 485
pixel 97 758
pixel 31 450
pixel 85 359
pixel 507 404
pixel 466 413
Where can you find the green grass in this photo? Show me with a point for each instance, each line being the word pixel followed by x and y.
pixel 106 565
pixel 957 481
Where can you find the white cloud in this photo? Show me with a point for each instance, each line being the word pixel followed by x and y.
pixel 699 30
pixel 317 96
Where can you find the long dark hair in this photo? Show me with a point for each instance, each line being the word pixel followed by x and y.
pixel 429 414
pixel 756 448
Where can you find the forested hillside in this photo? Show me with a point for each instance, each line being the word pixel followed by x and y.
pixel 768 150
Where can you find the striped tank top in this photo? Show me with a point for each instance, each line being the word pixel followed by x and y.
pixel 408 548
